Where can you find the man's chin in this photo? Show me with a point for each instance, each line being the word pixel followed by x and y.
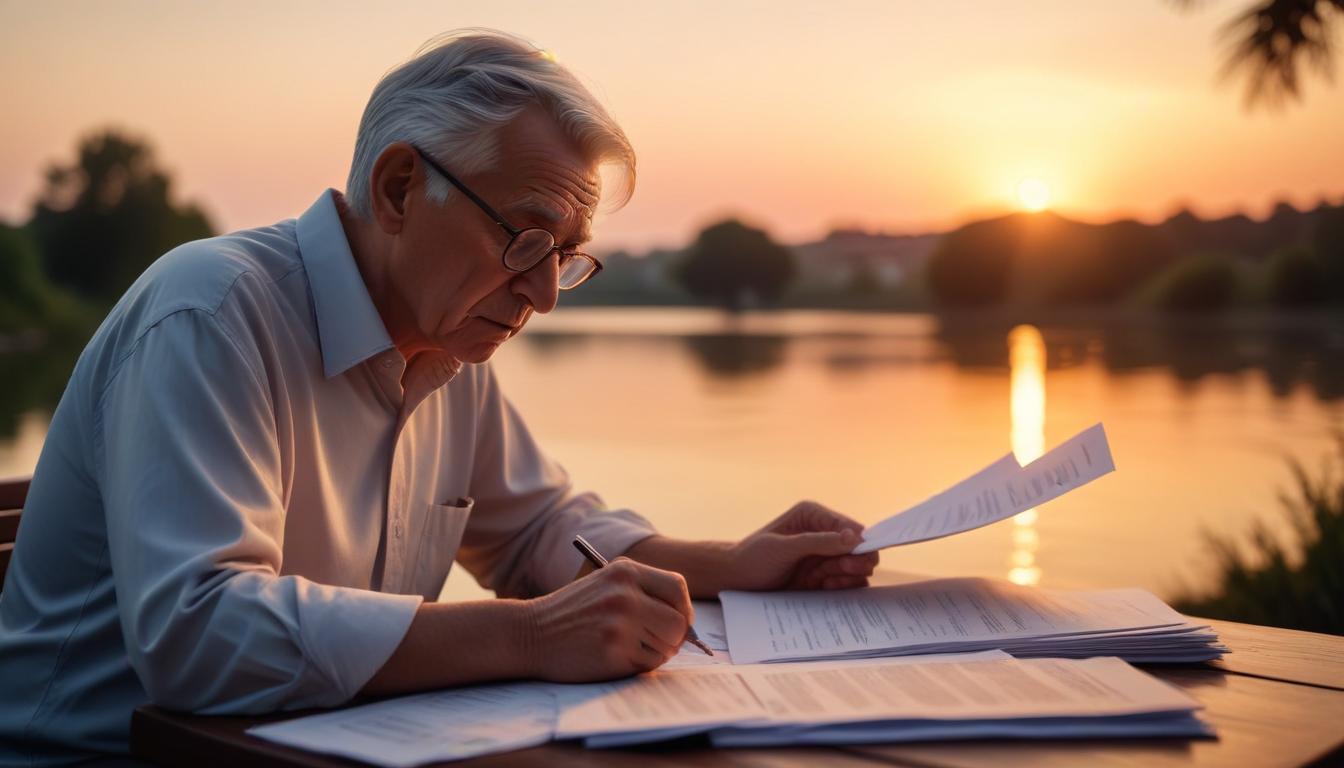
pixel 479 352
pixel 477 342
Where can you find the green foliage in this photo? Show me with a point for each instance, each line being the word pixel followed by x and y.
pixel 1296 278
pixel 100 222
pixel 972 265
pixel 1066 263
pixel 1328 243
pixel 731 264
pixel 1298 589
pixel 1272 41
pixel 27 300
pixel 1205 282
pixel 23 292
pixel 35 377
pixel 1043 260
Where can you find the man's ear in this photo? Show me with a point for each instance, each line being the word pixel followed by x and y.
pixel 397 174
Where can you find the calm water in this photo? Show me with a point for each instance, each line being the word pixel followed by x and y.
pixel 712 426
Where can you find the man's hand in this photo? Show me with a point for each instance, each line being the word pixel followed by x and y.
pixel 616 621
pixel 807 547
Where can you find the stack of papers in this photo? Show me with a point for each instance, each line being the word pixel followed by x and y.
pixel 979 695
pixel 960 615
pixel 960 696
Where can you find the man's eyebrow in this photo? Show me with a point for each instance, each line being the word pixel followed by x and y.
pixel 552 217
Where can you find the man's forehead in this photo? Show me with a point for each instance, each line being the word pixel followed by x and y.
pixel 566 212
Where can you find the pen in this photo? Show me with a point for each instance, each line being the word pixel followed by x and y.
pixel 598 561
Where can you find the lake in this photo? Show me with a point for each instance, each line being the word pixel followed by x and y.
pixel 712 425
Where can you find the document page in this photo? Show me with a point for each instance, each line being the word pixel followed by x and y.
pixel 964 686
pixel 924 617
pixel 997 492
pixel 709 624
pixel 658 700
pixel 413 730
pixel 690 656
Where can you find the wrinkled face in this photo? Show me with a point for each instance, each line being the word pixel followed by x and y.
pixel 446 265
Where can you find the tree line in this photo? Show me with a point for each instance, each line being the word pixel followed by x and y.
pixel 1292 260
pixel 98 222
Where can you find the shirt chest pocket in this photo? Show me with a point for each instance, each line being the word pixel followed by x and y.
pixel 439 539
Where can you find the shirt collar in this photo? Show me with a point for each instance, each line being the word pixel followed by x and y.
pixel 348 325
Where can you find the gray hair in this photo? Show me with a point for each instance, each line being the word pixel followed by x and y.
pixel 454 94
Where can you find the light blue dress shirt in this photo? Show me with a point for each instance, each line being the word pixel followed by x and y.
pixel 239 508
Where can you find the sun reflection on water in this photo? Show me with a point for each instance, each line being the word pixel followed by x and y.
pixel 1026 358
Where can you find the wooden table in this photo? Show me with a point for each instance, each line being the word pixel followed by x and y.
pixel 1276 700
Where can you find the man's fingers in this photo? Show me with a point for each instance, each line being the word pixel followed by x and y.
pixel 812 574
pixel 844 582
pixel 825 544
pixel 853 570
pixel 659 645
pixel 811 516
pixel 667 586
pixel 648 655
pixel 849 565
pixel 665 623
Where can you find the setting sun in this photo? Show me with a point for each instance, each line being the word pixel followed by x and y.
pixel 1033 194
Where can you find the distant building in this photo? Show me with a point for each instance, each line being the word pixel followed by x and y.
pixel 847 256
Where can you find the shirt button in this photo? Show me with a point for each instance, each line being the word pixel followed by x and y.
pixel 388 363
pixel 396 530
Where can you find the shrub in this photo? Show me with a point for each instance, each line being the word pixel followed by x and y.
pixel 1299 589
pixel 1295 277
pixel 1201 283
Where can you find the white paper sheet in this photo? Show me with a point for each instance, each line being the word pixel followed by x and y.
pixel 957 687
pixel 690 656
pixel 901 698
pixel 926 617
pixel 709 624
pixel 658 700
pixel 758 717
pixel 997 492
pixel 413 730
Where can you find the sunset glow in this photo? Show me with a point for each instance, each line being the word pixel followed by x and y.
pixel 889 116
pixel 1026 358
pixel 1033 194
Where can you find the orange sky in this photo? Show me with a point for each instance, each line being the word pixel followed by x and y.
pixel 799 116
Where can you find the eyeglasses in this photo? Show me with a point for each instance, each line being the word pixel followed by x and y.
pixel 529 246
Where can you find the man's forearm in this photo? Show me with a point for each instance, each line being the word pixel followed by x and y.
pixel 705 565
pixel 450 644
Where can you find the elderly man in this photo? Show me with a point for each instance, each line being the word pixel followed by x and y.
pixel 280 440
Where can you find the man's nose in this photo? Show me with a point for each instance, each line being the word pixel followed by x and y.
pixel 540 285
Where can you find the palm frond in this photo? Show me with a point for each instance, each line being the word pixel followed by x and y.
pixel 1272 42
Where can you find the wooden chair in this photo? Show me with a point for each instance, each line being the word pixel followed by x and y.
pixel 12 494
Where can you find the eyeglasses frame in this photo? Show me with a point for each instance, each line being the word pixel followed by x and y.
pixel 512 231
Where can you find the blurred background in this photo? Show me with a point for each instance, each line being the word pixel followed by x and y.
pixel 873 247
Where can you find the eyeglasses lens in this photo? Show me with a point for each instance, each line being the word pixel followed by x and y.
pixel 527 248
pixel 574 270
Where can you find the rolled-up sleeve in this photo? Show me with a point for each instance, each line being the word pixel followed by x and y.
pixel 192 479
pixel 518 540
